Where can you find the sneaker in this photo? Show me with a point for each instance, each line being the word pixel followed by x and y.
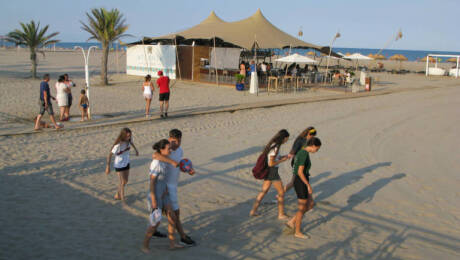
pixel 187 241
pixel 162 116
pixel 166 114
pixel 159 234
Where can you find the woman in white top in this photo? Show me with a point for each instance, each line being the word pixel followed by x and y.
pixel 121 149
pixel 158 197
pixel 274 159
pixel 61 97
pixel 147 88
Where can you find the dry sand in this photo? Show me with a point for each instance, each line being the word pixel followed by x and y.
pixel 386 179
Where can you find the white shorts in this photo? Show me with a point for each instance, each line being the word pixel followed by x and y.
pixel 173 199
pixel 147 96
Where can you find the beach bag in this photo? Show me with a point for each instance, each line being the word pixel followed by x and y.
pixel 260 170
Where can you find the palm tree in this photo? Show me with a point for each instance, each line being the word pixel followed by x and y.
pixel 105 27
pixel 34 38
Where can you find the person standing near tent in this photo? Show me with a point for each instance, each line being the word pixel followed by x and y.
pixel 163 85
pixel 147 88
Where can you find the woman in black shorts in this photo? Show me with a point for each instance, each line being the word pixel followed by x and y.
pixel 274 159
pixel 301 170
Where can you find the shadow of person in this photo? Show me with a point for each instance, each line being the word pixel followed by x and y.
pixel 331 186
pixel 364 195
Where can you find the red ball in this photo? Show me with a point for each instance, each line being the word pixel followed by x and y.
pixel 185 165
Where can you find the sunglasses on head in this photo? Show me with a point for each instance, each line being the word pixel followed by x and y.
pixel 312 132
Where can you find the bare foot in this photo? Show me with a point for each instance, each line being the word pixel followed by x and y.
pixel 289 225
pixel 283 217
pixel 37 129
pixel 117 196
pixel 57 127
pixel 175 246
pixel 145 250
pixel 253 214
pixel 302 236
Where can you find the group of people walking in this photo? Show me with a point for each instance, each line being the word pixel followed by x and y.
pixel 164 172
pixel 63 98
pixel 305 144
pixel 163 183
pixel 148 90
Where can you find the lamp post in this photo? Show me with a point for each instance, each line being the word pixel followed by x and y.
pixel 337 35
pixel 86 59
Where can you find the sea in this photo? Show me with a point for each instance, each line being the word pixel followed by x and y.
pixel 411 55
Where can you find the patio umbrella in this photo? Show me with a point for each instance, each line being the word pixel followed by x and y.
pixel 398 57
pixel 357 57
pixel 297 58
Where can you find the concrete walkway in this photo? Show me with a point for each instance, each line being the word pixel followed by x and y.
pixel 132 118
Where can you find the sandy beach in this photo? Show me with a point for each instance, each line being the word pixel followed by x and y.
pixel 385 180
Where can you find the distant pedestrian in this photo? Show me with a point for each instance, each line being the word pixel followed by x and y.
pixel 121 149
pixel 45 103
pixel 302 165
pixel 147 88
pixel 62 99
pixel 272 151
pixel 84 105
pixel 163 85
pixel 70 84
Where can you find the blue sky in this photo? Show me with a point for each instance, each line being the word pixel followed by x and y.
pixel 426 24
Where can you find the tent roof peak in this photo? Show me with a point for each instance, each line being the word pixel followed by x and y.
pixel 212 18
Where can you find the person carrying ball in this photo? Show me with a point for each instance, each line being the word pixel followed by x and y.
pixel 172 180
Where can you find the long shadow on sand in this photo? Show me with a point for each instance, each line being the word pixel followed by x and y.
pixel 232 233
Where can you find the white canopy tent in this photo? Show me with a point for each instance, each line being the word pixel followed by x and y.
pixel 451 73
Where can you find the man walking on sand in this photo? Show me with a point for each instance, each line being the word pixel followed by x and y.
pixel 163 85
pixel 45 103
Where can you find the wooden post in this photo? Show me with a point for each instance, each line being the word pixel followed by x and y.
pixel 215 62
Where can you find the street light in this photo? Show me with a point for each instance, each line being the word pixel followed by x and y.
pixel 337 35
pixel 86 59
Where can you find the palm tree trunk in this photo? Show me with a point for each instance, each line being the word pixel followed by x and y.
pixel 105 58
pixel 33 59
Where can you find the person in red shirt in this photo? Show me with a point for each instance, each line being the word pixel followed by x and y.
pixel 163 85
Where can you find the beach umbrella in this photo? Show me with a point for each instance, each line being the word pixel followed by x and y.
pixel 453 59
pixel 398 57
pixel 311 53
pixel 432 60
pixel 371 56
pixel 379 57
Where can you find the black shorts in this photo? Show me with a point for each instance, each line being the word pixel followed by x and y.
pixel 272 174
pixel 164 96
pixel 301 188
pixel 49 109
pixel 69 99
pixel 122 169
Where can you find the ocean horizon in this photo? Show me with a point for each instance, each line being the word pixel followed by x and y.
pixel 412 55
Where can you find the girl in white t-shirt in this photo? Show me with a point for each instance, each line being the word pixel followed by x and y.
pixel 62 92
pixel 147 90
pixel 272 150
pixel 158 197
pixel 121 149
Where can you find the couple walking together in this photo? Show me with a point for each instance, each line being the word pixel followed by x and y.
pixel 163 181
pixel 148 89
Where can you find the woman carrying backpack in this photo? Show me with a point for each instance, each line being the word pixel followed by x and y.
pixel 271 150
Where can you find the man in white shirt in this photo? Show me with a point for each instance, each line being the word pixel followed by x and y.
pixel 172 180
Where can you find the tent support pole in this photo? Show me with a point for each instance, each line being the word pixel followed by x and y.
pixel 215 62
pixel 177 58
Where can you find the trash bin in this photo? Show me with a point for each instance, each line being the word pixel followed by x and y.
pixel 368 83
